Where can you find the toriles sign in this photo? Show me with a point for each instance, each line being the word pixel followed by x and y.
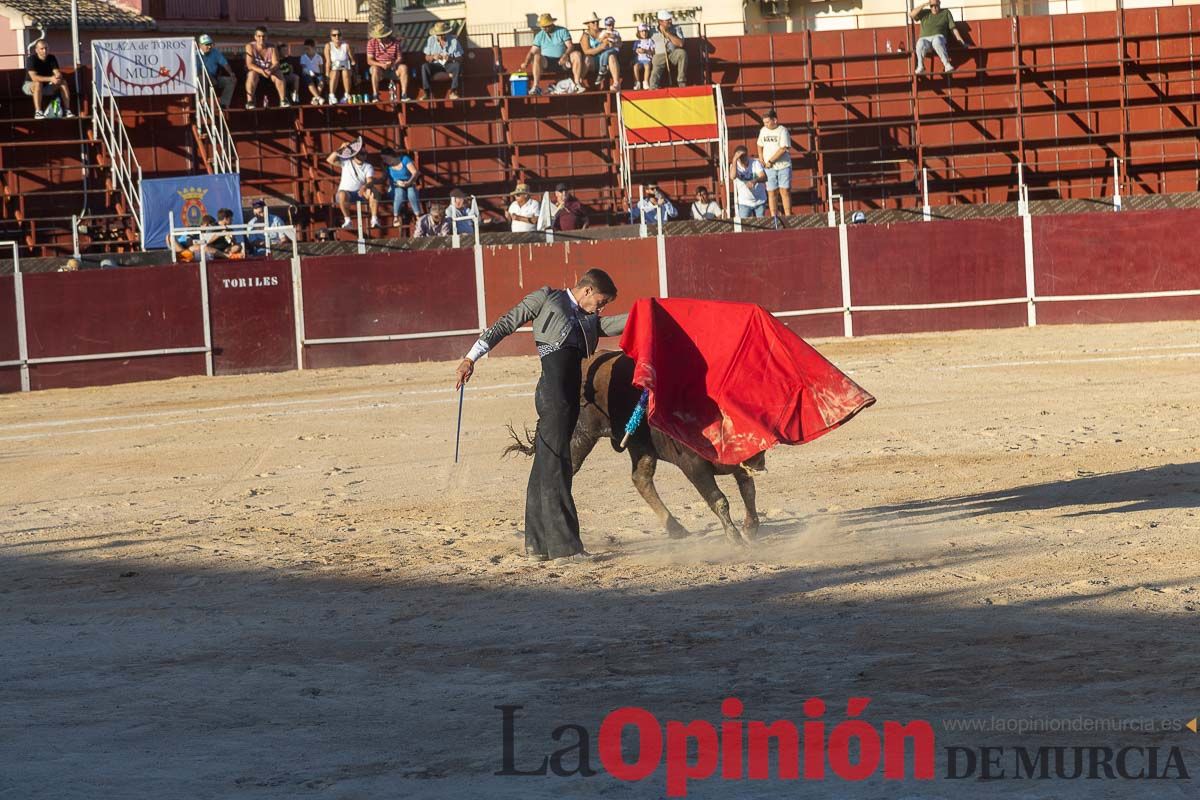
pixel 137 67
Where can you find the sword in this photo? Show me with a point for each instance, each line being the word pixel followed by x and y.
pixel 458 434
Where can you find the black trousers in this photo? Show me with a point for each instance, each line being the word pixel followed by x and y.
pixel 429 69
pixel 551 522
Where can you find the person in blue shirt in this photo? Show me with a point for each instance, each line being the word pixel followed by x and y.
pixel 403 176
pixel 218 69
pixel 459 208
pixel 654 202
pixel 443 53
pixel 256 243
pixel 553 51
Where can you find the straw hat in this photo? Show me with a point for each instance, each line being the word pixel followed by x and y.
pixel 380 32
pixel 350 149
pixel 545 21
pixel 442 29
pixel 593 18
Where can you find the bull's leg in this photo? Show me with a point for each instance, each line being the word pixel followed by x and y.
pixel 745 482
pixel 581 445
pixel 701 475
pixel 644 465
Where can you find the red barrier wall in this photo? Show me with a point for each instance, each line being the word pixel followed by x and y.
pixel 10 377
pixel 253 317
pixel 1146 251
pixel 936 262
pixel 513 271
pixel 378 295
pixel 107 311
pixel 788 270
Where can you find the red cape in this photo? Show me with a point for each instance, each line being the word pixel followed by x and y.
pixel 730 381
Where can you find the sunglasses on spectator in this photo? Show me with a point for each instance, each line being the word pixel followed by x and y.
pixel 335 36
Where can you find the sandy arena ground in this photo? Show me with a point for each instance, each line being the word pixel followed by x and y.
pixel 280 586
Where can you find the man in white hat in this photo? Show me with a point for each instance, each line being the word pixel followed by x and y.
pixel 357 182
pixel 668 49
pixel 553 51
pixel 443 53
pixel 384 61
pixel 524 211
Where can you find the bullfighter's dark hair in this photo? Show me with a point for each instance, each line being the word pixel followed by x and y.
pixel 599 280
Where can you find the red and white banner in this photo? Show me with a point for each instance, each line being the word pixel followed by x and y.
pixel 138 67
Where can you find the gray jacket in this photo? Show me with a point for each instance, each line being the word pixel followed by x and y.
pixel 553 315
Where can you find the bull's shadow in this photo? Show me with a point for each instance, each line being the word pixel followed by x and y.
pixel 1166 486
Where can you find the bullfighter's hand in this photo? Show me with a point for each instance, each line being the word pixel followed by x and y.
pixel 466 368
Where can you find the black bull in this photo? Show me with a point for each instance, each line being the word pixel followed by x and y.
pixel 608 400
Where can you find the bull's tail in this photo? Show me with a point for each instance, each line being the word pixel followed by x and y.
pixel 519 445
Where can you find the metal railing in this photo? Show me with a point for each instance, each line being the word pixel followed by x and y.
pixel 211 121
pixel 109 129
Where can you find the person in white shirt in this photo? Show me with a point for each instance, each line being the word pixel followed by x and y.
pixel 357 183
pixel 749 179
pixel 774 145
pixel 524 211
pixel 312 72
pixel 339 61
pixel 705 207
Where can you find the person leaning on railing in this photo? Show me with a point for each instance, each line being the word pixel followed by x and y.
pixel 936 24
pixel 218 69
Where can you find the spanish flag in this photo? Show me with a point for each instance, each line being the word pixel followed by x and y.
pixel 661 116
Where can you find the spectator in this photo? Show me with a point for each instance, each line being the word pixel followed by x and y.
pixel 434 223
pixel 339 60
pixel 524 211
pixel 653 203
pixel 325 235
pixel 312 72
pixel 553 51
pixel 936 24
pixel 773 150
pixel 111 263
pixel 257 243
pixel 356 184
pixel 403 176
pixel 443 53
pixel 185 245
pixel 218 69
pixel 460 209
pixel 72 265
pixel 643 50
pixel 262 61
pixel 384 60
pixel 290 79
pixel 749 183
pixel 224 243
pixel 668 50
pixel 601 53
pixel 45 79
pixel 705 207
pixel 569 213
pixel 193 242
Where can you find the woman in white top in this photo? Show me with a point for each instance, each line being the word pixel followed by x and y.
pixel 339 60
pixel 773 151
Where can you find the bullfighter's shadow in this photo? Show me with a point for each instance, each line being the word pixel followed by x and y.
pixel 1162 487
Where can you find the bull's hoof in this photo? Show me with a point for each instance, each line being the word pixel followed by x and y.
pixel 675 530
pixel 735 536
pixel 750 530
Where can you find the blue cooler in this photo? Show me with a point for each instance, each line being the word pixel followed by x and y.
pixel 518 84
